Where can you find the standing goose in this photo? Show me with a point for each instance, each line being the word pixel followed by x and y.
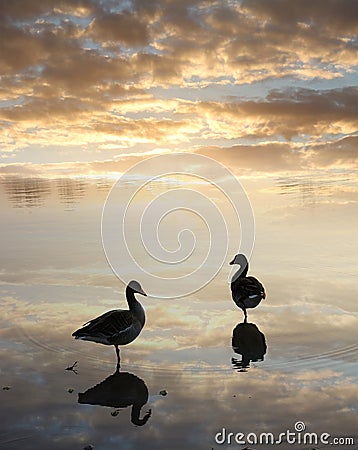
pixel 119 326
pixel 247 292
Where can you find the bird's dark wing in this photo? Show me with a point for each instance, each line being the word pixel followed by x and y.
pixel 256 286
pixel 109 323
pixel 245 287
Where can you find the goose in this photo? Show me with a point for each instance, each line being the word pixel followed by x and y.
pixel 116 327
pixel 247 292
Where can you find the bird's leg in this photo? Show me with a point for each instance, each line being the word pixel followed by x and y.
pixel 244 309
pixel 118 357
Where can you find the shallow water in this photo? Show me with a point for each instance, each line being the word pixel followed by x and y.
pixel 55 276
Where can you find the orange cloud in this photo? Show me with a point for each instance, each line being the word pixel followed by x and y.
pixel 124 28
pixel 82 72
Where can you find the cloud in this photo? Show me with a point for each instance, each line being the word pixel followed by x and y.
pixel 276 158
pixel 123 28
pixel 190 38
pixel 340 15
pixel 84 69
pixel 27 9
pixel 335 154
pixel 286 113
pixel 311 33
pixel 291 113
pixel 280 157
pixel 260 158
pixel 82 72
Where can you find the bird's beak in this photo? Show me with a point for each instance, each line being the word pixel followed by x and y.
pixel 231 262
pixel 142 292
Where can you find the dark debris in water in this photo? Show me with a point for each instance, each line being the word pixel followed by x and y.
pixel 70 390
pixel 6 388
pixel 72 368
pixel 88 447
pixel 163 392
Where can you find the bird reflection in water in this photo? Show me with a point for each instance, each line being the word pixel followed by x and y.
pixel 120 390
pixel 250 343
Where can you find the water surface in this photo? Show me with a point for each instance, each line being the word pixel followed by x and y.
pixel 54 277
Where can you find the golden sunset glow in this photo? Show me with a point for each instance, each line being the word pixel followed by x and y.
pixel 87 82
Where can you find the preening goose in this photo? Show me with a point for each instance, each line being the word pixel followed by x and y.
pixel 119 326
pixel 247 292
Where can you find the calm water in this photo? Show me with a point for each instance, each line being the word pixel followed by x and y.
pixel 54 277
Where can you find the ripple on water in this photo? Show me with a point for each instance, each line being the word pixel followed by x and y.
pixel 201 361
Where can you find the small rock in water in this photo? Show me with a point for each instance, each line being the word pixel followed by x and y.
pixel 70 390
pixel 115 413
pixel 6 388
pixel 163 392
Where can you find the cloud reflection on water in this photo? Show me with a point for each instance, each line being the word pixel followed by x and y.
pixel 197 406
pixel 59 277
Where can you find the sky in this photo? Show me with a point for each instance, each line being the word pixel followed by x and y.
pixel 90 87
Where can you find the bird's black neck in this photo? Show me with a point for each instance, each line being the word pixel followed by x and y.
pixel 134 306
pixel 243 273
pixel 132 301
